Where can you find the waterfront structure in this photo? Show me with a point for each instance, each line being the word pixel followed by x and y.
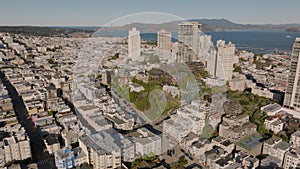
pixel 188 35
pixel 164 44
pixel 292 94
pixel 134 44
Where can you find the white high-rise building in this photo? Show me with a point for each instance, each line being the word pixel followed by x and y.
pixel 164 44
pixel 188 34
pixel 207 52
pixel 225 60
pixel 134 44
pixel 292 94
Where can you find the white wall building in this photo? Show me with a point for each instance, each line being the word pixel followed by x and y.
pixel 164 44
pixel 291 98
pixel 101 154
pixel 16 147
pixel 295 139
pixel 225 60
pixel 292 159
pixel 134 45
pixel 274 124
pixel 276 148
pixel 147 143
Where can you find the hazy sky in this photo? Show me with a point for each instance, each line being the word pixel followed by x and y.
pixel 100 12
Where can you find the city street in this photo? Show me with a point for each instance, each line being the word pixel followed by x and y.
pixel 36 142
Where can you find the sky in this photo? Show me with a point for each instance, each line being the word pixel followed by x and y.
pixel 102 12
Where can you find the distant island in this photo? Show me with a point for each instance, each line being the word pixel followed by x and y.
pixel 295 29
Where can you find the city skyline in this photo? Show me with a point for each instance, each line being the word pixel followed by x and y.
pixel 95 13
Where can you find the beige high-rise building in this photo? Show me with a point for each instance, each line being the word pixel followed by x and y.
pixel 188 35
pixel 134 44
pixel 164 44
pixel 225 60
pixel 292 93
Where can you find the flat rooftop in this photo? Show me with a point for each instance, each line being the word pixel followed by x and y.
pixel 250 142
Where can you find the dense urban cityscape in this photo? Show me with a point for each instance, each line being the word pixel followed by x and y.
pixel 90 98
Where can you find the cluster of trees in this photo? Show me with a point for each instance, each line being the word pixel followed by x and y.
pixel 251 105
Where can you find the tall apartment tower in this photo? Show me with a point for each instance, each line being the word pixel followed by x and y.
pixel 164 44
pixel 134 44
pixel 292 93
pixel 188 34
pixel 208 53
pixel 225 60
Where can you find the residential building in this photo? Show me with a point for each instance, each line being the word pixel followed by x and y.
pixel 237 84
pixel 147 143
pixel 52 143
pixel 188 35
pixel 198 149
pixel 277 148
pixel 134 45
pixel 292 159
pixel 164 44
pixel 235 125
pixel 251 144
pixel 187 119
pixel 64 158
pixel 295 139
pixel 16 147
pixel 274 124
pixel 223 143
pixel 291 98
pixel 101 154
pixel 225 60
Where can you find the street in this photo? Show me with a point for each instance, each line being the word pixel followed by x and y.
pixel 36 142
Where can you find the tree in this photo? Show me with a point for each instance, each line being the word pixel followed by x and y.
pixel 50 61
pixel 238 69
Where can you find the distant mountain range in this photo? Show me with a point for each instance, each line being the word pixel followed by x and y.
pixel 208 25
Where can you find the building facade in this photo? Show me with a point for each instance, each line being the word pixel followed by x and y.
pixel 225 60
pixel 134 44
pixel 164 44
pixel 188 35
pixel 64 158
pixel 292 94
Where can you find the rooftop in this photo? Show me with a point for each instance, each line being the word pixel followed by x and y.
pixel 250 142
